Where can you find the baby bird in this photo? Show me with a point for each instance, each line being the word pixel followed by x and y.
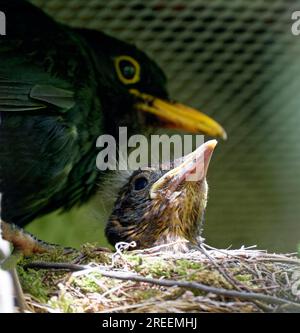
pixel 157 207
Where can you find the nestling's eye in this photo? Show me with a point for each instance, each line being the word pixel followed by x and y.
pixel 128 69
pixel 140 183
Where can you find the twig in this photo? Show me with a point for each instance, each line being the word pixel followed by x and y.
pixel 127 307
pixel 280 259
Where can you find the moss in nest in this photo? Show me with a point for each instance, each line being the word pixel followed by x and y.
pixel 142 295
pixel 163 268
pixel 184 267
pixel 65 303
pixel 210 278
pixel 245 278
pixel 135 259
pixel 149 266
pixel 91 252
pixel 159 269
pixel 33 283
pixel 88 283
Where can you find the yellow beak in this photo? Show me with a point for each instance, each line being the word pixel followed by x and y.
pixel 179 116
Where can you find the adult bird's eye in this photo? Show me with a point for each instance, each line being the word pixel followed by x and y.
pixel 128 69
pixel 140 183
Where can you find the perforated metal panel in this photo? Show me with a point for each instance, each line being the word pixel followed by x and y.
pixel 239 62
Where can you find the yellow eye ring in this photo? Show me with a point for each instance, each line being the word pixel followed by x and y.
pixel 120 69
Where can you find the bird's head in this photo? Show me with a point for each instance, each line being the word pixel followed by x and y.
pixel 133 90
pixel 157 207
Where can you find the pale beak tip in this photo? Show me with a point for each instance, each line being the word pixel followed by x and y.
pixel 224 135
pixel 211 144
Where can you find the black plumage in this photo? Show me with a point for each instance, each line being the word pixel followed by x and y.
pixel 60 88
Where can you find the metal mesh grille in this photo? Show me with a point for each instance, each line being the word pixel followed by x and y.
pixel 239 62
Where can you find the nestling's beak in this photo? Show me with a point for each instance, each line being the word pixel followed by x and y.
pixel 192 167
pixel 179 116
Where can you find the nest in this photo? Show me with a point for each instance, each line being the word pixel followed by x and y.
pixel 155 280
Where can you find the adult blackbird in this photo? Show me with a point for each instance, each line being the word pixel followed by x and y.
pixel 60 88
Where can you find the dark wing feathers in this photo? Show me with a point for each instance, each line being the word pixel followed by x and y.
pixel 61 98
pixel 14 96
pixel 22 96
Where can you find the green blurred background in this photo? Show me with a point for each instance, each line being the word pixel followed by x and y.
pixel 237 61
